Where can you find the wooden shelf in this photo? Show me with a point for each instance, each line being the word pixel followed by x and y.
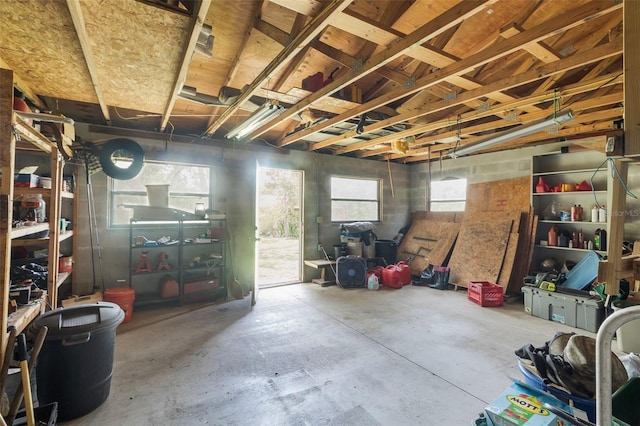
pixel 568 222
pixel 602 253
pixel 24 231
pixel 25 314
pixel 538 194
pixel 62 277
pixel 20 137
pixel 39 241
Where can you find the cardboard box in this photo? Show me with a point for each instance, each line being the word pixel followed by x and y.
pixel 522 405
pixel 26 180
pixel 585 312
pixel 82 300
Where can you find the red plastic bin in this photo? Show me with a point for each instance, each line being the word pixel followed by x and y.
pixel 485 293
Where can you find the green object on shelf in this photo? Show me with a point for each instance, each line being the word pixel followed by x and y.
pixel 622 295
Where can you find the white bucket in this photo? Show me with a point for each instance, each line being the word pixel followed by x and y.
pixel 628 335
pixel 158 195
pixel 369 251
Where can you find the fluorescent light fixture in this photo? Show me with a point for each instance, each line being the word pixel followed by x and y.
pixel 260 116
pixel 514 133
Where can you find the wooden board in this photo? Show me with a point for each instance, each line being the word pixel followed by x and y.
pixel 479 251
pixel 503 195
pixel 508 262
pixel 523 253
pixel 427 242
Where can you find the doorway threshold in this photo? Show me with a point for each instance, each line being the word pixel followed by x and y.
pixel 282 284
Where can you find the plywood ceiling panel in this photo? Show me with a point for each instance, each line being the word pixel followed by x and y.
pixel 137 49
pixel 462 70
pixel 55 58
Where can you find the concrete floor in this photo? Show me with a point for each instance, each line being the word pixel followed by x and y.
pixel 307 355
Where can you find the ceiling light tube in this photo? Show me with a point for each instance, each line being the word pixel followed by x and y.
pixel 257 115
pixel 260 116
pixel 514 133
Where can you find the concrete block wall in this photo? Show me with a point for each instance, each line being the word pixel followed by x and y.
pixel 404 191
pixel 476 169
pixel 234 193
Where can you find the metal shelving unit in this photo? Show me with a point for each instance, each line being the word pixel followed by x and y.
pixel 193 257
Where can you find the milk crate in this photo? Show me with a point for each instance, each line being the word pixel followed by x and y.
pixel 485 293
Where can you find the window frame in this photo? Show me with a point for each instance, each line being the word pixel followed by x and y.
pixel 447 201
pixel 378 199
pixel 113 204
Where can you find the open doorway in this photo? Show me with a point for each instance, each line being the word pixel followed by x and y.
pixel 279 226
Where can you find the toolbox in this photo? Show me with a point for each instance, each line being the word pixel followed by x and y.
pixel 580 311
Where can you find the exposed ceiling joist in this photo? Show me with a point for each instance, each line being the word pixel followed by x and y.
pixel 200 13
pixel 413 67
pixel 80 25
pixel 280 61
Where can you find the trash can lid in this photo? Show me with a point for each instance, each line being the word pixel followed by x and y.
pixel 65 322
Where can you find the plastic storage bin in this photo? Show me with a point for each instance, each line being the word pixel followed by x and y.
pixel 628 335
pixel 388 250
pixel 583 312
pixel 485 293
pixel 75 364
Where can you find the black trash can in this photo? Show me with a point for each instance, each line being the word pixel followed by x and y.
pixel 387 249
pixel 75 364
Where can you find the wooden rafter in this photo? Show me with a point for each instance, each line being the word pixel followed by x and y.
pixel 317 25
pixel 499 49
pixel 202 7
pixel 448 19
pixel 81 30
pixel 577 60
pixel 566 92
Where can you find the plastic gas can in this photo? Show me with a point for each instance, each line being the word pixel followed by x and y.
pixel 405 272
pixel 391 277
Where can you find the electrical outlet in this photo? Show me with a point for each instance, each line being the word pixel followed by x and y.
pixel 319 219
pixel 319 247
pixel 610 145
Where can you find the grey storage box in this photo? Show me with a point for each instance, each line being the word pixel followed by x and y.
pixel 585 312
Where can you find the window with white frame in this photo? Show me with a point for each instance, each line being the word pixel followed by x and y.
pixel 355 199
pixel 448 195
pixel 188 185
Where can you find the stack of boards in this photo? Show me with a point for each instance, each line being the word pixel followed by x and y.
pixel 492 241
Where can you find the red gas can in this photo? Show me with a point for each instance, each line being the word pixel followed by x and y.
pixel 391 277
pixel 405 272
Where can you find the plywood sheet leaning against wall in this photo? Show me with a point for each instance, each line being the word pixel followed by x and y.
pixel 480 250
pixel 429 239
pixel 488 203
pixel 504 195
